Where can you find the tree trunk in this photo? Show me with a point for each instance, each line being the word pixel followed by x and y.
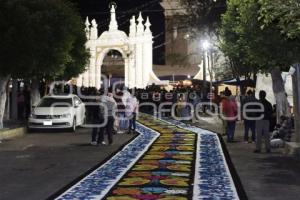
pixel 3 84
pixel 35 92
pixel 280 94
pixel 14 100
pixel 296 92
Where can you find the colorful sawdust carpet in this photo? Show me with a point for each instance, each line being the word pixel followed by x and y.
pixel 165 162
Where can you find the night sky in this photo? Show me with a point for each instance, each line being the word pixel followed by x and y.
pixel 99 9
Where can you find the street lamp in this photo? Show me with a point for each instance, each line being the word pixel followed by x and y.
pixel 208 64
pixel 206 45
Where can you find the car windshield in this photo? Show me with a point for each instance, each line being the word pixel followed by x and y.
pixel 56 102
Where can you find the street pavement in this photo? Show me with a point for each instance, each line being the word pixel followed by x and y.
pixel 37 165
pixel 264 176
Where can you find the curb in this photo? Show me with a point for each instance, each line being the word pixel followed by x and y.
pixel 7 134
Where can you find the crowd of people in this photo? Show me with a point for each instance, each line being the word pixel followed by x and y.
pixel 114 112
pixel 184 103
pixel 259 117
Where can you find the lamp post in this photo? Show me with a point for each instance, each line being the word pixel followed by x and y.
pixel 206 46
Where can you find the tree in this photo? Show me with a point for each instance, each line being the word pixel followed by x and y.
pixel 233 45
pixel 204 16
pixel 204 13
pixel 285 12
pixel 287 18
pixel 262 45
pixel 41 39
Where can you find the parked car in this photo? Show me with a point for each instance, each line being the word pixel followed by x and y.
pixel 59 111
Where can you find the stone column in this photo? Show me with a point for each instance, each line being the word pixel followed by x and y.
pixel 132 53
pixel 139 52
pixel 79 81
pixel 147 54
pixel 98 73
pixel 126 62
pixel 85 81
pixel 92 69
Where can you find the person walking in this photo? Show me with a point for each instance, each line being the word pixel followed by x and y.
pixel 249 103
pixel 263 124
pixel 229 109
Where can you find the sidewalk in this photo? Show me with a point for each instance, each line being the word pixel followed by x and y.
pixel 12 129
pixel 264 176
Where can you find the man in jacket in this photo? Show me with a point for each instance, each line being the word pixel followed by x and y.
pixel 97 120
pixel 263 123
pixel 249 103
pixel 108 111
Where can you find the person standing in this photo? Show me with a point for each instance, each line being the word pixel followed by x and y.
pixel 97 119
pixel 131 111
pixel 108 110
pixel 121 120
pixel 263 124
pixel 229 109
pixel 180 106
pixel 250 102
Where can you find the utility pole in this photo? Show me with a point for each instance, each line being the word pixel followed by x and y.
pixel 204 72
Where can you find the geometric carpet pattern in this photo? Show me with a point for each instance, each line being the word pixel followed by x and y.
pixel 165 172
pixel 169 160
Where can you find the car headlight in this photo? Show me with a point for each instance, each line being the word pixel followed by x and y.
pixel 33 116
pixel 66 115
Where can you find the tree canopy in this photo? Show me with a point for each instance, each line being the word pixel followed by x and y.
pixel 285 12
pixel 204 13
pixel 41 39
pixel 247 38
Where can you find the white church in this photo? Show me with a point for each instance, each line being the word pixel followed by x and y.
pixel 136 50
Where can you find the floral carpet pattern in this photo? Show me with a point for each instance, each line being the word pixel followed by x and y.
pixel 169 160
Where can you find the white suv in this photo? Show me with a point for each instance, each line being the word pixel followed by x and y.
pixel 60 111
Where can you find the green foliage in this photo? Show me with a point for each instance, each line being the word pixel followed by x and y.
pixel 42 39
pixel 204 13
pixel 286 13
pixel 221 67
pixel 232 43
pixel 248 41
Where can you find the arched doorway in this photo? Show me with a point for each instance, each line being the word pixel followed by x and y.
pixel 113 69
pixel 136 50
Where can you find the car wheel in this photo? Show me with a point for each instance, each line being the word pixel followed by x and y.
pixel 73 129
pixel 83 122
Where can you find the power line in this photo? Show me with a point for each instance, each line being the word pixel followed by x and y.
pixel 130 12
